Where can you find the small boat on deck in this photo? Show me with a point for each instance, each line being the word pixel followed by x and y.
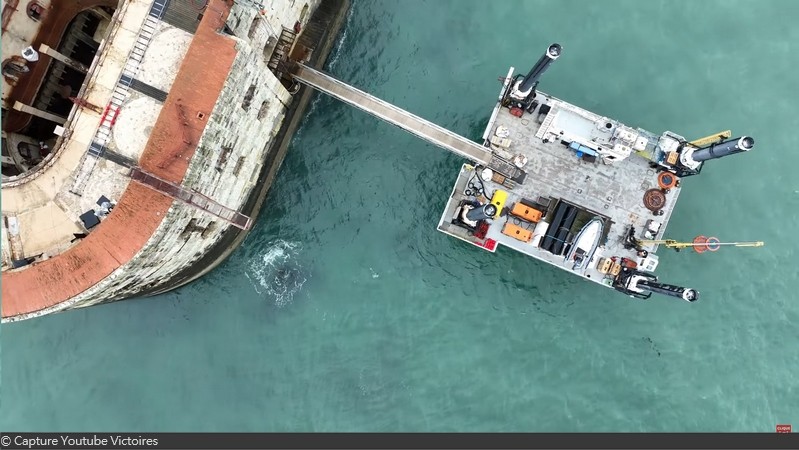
pixel 585 244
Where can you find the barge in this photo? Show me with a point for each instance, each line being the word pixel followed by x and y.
pixel 556 182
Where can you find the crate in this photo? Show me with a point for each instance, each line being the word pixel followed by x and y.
pixel 525 212
pixel 671 158
pixel 604 265
pixel 498 178
pixel 517 232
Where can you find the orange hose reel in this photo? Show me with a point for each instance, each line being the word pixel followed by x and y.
pixel 667 180
pixel 706 244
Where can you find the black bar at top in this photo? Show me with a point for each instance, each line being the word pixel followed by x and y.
pixel 404 441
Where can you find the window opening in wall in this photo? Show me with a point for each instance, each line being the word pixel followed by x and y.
pixel 190 228
pixel 253 28
pixel 220 162
pixel 245 104
pixel 237 168
pixel 14 68
pixel 35 10
pixel 269 47
pixel 304 13
pixel 262 112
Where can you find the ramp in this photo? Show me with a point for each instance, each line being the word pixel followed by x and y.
pixel 190 197
pixel 394 115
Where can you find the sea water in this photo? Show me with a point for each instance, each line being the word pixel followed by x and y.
pixel 345 309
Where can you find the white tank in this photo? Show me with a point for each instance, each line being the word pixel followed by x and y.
pixel 538 232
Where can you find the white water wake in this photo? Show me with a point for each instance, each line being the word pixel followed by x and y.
pixel 278 274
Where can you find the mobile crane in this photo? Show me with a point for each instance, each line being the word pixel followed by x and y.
pixel 700 244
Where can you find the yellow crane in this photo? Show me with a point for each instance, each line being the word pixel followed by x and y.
pixel 698 143
pixel 699 244
pixel 707 140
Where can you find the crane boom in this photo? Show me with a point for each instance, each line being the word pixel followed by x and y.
pixel 707 140
pixel 671 243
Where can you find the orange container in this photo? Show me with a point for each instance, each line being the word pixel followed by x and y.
pixel 525 212
pixel 517 232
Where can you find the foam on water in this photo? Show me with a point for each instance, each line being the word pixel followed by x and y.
pixel 336 53
pixel 278 272
pixel 332 60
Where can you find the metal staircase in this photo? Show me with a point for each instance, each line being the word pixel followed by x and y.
pixel 285 44
pixel 547 122
pixel 119 95
pixel 191 198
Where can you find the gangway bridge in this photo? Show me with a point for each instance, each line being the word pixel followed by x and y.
pixel 411 123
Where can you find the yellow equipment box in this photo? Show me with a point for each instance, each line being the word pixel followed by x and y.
pixel 615 269
pixel 517 232
pixel 500 142
pixel 498 200
pixel 671 158
pixel 525 212
pixel 604 265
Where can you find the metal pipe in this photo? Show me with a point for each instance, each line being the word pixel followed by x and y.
pixel 713 244
pixel 552 53
pixel 483 212
pixel 731 147
pixel 687 294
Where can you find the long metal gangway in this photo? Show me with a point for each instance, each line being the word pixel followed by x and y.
pixel 394 115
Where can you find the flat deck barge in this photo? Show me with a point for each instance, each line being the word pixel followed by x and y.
pixel 564 187
pixel 583 192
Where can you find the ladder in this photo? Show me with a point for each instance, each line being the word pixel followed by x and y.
pixel 547 122
pixel 282 50
pixel 191 198
pixel 119 95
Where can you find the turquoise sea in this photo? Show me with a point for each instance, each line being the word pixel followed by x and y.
pixel 345 309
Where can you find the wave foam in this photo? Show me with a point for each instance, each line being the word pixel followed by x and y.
pixel 278 273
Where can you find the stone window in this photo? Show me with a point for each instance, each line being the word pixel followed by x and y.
pixel 264 110
pixel 245 104
pixel 237 168
pixel 253 28
pixel 13 68
pixel 304 13
pixel 269 47
pixel 35 10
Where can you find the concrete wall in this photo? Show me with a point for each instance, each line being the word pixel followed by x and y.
pixel 230 156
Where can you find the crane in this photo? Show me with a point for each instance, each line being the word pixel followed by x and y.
pixel 707 140
pixel 700 243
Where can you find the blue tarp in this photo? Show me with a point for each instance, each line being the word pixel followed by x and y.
pixel 581 149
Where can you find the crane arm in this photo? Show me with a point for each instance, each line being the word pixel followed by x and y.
pixel 671 243
pixel 707 140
